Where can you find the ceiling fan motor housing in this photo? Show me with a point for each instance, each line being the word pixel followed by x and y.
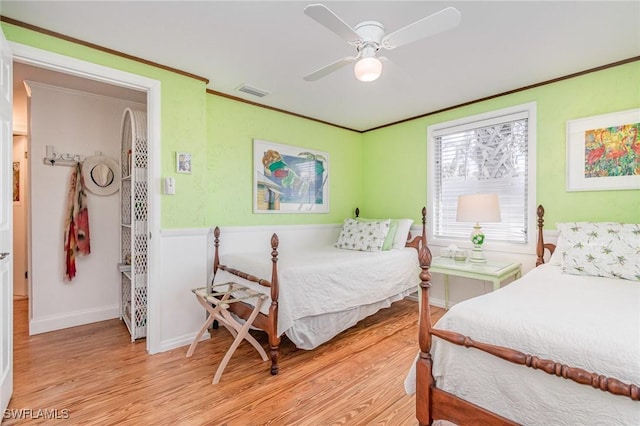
pixel 370 31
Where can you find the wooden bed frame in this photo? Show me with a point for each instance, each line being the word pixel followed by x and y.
pixel 435 404
pixel 269 323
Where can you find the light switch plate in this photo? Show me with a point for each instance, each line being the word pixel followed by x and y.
pixel 169 186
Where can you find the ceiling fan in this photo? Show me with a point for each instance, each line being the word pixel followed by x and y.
pixel 369 37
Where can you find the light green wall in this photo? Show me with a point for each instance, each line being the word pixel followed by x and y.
pixel 395 171
pixel 183 124
pixel 233 125
pixel 382 171
pixel 218 132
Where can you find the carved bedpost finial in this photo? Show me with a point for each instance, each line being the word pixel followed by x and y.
pixel 540 213
pixel 216 244
pixel 274 269
pixel 540 245
pixel 357 212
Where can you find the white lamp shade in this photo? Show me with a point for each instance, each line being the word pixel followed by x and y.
pixel 478 208
pixel 368 69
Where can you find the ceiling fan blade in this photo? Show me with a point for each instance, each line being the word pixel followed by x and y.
pixel 433 24
pixel 326 17
pixel 328 69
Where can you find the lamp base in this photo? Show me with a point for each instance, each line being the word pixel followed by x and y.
pixel 477 238
pixel 477 256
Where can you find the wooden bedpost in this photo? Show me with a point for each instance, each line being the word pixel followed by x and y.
pixel 541 245
pixel 357 212
pixel 216 243
pixel 424 377
pixel 274 338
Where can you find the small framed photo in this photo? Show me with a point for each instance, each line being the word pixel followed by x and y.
pixel 183 162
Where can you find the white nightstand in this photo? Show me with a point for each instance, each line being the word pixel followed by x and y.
pixel 493 271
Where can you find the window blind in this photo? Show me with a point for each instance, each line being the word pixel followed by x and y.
pixel 487 156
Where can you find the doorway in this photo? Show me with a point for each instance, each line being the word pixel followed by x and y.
pixel 20 215
pixel 91 78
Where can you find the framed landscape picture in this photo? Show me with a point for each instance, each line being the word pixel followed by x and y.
pixel 603 152
pixel 289 179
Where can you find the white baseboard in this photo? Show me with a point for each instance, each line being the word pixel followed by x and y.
pixel 413 296
pixel 432 301
pixel 73 319
pixel 439 303
pixel 178 342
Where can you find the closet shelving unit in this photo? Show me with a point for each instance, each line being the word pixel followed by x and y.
pixel 134 234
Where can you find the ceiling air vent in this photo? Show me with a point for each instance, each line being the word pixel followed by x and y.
pixel 252 91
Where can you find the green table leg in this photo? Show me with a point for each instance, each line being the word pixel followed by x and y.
pixel 446 291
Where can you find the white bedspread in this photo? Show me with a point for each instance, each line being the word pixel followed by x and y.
pixel 346 283
pixel 586 322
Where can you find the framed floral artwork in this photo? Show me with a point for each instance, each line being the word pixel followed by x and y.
pixel 289 179
pixel 603 152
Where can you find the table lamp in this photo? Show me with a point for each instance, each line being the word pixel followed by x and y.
pixel 478 208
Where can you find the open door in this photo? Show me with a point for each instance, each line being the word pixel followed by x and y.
pixel 6 224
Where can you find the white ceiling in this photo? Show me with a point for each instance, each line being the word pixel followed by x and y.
pixel 498 47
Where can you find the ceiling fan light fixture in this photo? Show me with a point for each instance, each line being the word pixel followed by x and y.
pixel 368 69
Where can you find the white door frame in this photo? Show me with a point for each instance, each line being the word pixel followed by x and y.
pixel 6 225
pixel 53 61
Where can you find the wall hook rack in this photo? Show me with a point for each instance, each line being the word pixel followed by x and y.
pixel 54 159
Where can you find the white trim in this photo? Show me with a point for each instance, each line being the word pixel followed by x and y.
pixel 432 132
pixel 73 319
pixel 76 92
pixel 186 232
pixel 53 61
pixel 178 342
pixel 276 228
pixel 68 65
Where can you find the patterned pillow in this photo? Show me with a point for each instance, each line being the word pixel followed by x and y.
pixel 363 236
pixel 388 240
pixel 603 249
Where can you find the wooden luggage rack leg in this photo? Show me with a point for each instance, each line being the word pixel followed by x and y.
pixel 217 305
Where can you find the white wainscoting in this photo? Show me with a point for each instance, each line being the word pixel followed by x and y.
pixel 183 266
pixel 187 263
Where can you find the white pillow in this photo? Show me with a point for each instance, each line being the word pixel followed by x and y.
pixel 402 233
pixel 363 236
pixel 570 233
pixel 606 249
pixel 561 246
pixel 602 261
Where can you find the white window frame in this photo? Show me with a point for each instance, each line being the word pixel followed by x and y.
pixel 481 119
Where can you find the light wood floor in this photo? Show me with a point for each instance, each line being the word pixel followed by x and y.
pixel 100 377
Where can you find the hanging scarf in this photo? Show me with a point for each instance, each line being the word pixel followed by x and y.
pixel 76 232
